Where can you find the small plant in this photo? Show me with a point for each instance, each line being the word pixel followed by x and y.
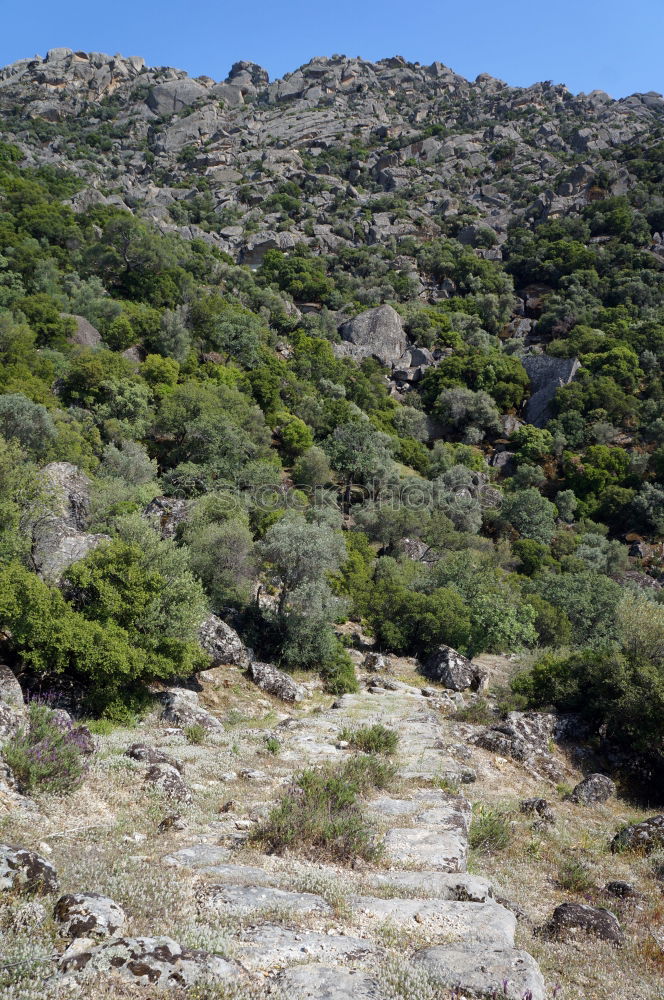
pixel 478 713
pixel 446 785
pixel 195 734
pixel 272 745
pixel 574 876
pixel 49 754
pixel 101 727
pixel 489 831
pixel 564 790
pixel 371 739
pixel 321 815
pixel 656 865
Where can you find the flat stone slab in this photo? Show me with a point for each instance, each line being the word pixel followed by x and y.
pixel 241 874
pixel 442 850
pixel 483 972
pixel 244 899
pixel 198 856
pixel 326 982
pixel 271 947
pixel 441 885
pixel 469 923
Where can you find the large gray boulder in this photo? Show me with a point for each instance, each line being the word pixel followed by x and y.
pixel 275 682
pixel 181 708
pixel 88 914
pixel 377 333
pixel 174 95
pixel 595 788
pixel 146 961
pixel 11 720
pixel 546 375
pixel 167 779
pixel 453 670
pixel 11 692
pixel 59 538
pixel 526 738
pixel 574 918
pixel 222 643
pixel 25 871
pixel 645 836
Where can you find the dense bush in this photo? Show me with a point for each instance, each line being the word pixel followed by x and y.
pixel 48 754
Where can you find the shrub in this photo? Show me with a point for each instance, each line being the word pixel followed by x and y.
pixel 195 734
pixel 272 745
pixel 338 673
pixel 574 876
pixel 489 831
pixel 478 712
pixel 49 754
pixel 320 814
pixel 371 739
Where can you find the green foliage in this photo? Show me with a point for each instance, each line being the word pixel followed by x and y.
pixel 47 754
pixel 371 739
pixel 322 815
pixel 195 734
pixel 490 830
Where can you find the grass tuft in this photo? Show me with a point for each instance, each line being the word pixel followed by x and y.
pixel 371 739
pixel 321 814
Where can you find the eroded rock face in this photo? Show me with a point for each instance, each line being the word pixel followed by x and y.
pixel 11 720
pixel 146 961
pixel 377 333
pixel 88 914
pixel 525 737
pixel 222 643
pixel 595 788
pixel 645 836
pixel 11 692
pixel 167 513
pixel 59 538
pixel 25 871
pixel 275 682
pixel 574 918
pixel 453 670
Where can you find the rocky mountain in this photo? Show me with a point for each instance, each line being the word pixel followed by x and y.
pixel 380 151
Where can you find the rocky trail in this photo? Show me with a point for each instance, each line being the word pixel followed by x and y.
pixel 414 923
pixel 149 880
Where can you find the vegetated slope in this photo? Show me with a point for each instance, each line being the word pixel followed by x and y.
pixel 358 281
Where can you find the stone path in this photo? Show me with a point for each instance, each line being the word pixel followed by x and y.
pixel 441 925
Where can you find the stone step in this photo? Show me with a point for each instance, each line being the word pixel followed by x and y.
pixel 198 856
pixel 237 899
pixel 325 982
pixel 429 807
pixel 440 850
pixel 482 971
pixel 439 885
pixel 270 946
pixel 486 924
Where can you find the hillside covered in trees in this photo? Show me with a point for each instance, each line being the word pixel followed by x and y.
pixel 368 344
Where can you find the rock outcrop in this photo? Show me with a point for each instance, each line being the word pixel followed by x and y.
pixel 58 537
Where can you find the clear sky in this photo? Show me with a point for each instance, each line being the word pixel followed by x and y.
pixel 612 45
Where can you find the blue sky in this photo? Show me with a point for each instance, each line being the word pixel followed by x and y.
pixel 612 45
